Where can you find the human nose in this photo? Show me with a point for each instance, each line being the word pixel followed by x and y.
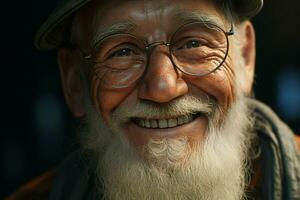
pixel 162 82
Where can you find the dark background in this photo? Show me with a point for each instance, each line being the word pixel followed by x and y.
pixel 37 129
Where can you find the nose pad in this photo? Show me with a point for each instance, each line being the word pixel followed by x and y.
pixel 162 82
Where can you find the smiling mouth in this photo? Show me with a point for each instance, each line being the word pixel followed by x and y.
pixel 166 122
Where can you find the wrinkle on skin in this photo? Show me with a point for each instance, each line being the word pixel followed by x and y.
pixel 152 24
pixel 121 27
pixel 215 127
pixel 154 15
pixel 223 78
pixel 95 83
pixel 152 12
pixel 226 76
pixel 112 96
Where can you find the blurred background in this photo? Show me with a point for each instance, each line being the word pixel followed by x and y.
pixel 37 130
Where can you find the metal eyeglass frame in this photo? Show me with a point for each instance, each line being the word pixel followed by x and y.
pixel 151 46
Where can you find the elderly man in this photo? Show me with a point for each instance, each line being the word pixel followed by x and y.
pixel 163 91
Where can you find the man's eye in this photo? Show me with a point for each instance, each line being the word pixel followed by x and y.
pixel 123 52
pixel 192 44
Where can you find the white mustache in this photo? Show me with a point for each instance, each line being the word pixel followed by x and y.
pixel 185 105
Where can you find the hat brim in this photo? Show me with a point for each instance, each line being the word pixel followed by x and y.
pixel 54 32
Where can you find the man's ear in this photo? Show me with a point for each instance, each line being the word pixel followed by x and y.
pixel 71 82
pixel 249 55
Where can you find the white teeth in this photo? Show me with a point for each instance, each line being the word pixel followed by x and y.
pixel 147 124
pixel 180 120
pixel 153 123
pixel 164 123
pixel 172 122
pixel 185 119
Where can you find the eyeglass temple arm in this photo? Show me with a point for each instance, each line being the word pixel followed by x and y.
pixel 84 55
pixel 231 31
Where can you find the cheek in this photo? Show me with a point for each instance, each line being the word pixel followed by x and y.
pixel 220 85
pixel 107 100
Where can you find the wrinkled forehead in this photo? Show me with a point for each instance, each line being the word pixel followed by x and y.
pixel 164 13
pixel 152 19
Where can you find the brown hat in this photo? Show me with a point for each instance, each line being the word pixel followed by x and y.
pixel 52 34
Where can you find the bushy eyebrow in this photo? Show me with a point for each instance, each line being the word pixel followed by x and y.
pixel 188 16
pixel 128 26
pixel 120 27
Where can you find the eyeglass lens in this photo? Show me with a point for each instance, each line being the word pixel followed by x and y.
pixel 196 49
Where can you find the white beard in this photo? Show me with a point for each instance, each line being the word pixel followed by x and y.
pixel 215 170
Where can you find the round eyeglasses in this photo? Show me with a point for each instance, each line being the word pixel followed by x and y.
pixel 196 49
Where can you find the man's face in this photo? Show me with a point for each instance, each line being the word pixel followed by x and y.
pixel 167 131
pixel 161 84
